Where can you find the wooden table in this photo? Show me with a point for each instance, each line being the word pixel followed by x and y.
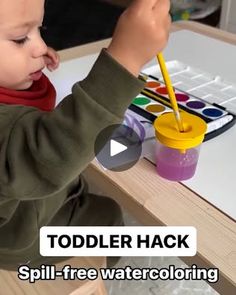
pixel 154 201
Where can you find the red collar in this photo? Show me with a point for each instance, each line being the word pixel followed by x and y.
pixel 41 94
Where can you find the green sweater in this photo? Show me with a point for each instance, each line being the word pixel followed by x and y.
pixel 42 153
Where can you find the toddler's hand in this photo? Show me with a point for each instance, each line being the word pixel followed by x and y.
pixel 141 32
pixel 51 59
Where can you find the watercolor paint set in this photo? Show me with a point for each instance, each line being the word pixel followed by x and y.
pixel 153 101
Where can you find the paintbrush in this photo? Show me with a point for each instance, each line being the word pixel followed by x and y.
pixel 170 90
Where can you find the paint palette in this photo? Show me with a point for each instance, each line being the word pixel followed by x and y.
pixel 148 107
pixel 154 101
pixel 191 104
pixel 210 88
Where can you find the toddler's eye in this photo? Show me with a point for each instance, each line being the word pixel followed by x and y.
pixel 20 41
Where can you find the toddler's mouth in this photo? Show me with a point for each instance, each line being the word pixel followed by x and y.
pixel 36 75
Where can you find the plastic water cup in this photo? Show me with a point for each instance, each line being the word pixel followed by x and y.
pixel 175 165
pixel 177 153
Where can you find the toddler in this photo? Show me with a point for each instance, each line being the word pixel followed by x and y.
pixel 43 148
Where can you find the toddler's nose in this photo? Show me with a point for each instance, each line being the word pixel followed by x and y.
pixel 40 48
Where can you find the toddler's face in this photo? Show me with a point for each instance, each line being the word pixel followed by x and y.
pixel 21 46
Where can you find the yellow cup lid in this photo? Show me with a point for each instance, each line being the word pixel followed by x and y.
pixel 168 134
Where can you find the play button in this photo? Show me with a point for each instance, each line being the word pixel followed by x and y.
pixel 118 147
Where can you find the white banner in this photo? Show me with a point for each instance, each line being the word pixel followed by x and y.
pixel 118 241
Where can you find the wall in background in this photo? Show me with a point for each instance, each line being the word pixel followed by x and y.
pixel 70 23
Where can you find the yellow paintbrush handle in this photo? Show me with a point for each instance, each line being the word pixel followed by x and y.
pixel 170 90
